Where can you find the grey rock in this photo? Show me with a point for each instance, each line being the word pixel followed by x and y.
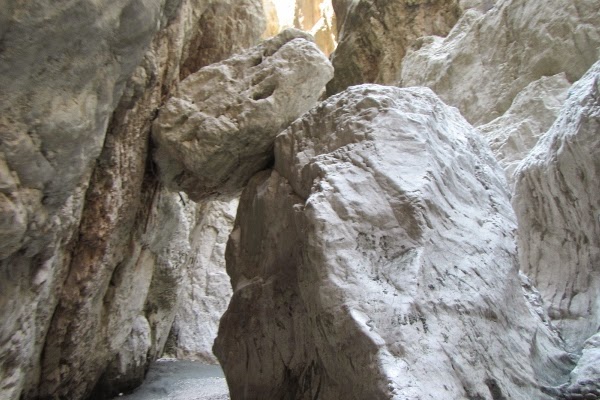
pixel 513 135
pixel 377 260
pixel 557 205
pixel 206 287
pixel 218 129
pixel 80 276
pixel 375 35
pixel 487 59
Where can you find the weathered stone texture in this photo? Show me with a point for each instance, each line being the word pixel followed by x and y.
pixel 206 286
pixel 487 59
pixel 557 202
pixel 374 36
pixel 218 129
pixel 513 135
pixel 57 163
pixel 377 260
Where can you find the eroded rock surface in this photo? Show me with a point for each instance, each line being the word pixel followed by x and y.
pixel 218 129
pixel 377 260
pixel 94 246
pixel 513 135
pixel 375 35
pixel 585 378
pixel 557 202
pixel 206 286
pixel 487 59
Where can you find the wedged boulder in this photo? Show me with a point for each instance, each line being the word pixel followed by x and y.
pixel 373 36
pixel 377 260
pixel 206 287
pixel 557 201
pixel 219 127
pixel 487 59
pixel 512 136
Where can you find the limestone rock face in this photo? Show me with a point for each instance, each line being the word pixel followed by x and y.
pixel 377 260
pixel 557 202
pixel 218 129
pixel 375 35
pixel 512 136
pixel 487 59
pixel 318 18
pixel 206 287
pixel 91 245
pixel 585 378
pixel 54 110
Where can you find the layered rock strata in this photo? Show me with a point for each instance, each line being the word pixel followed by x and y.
pixel 218 129
pixel 92 247
pixel 557 202
pixel 377 260
pixel 375 35
pixel 487 59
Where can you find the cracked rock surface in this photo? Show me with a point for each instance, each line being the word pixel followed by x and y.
pixel 218 129
pixel 377 260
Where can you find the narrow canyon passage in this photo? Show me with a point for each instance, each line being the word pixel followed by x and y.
pixel 308 199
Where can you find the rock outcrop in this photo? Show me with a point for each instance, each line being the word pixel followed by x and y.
pixel 513 135
pixel 377 260
pixel 375 35
pixel 218 129
pixel 92 247
pixel 206 286
pixel 487 59
pixel 557 202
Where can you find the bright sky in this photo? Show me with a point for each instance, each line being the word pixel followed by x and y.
pixel 285 12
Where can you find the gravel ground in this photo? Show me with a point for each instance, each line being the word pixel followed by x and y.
pixel 171 379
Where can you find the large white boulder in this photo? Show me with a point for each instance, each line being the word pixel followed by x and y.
pixel 557 202
pixel 377 260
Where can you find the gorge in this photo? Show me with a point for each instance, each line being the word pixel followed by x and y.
pixel 419 210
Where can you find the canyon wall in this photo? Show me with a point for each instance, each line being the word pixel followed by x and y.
pixel 93 247
pixel 557 204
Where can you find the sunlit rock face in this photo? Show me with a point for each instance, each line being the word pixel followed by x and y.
pixel 377 260
pixel 218 128
pixel 375 35
pixel 487 59
pixel 557 202
pixel 92 247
